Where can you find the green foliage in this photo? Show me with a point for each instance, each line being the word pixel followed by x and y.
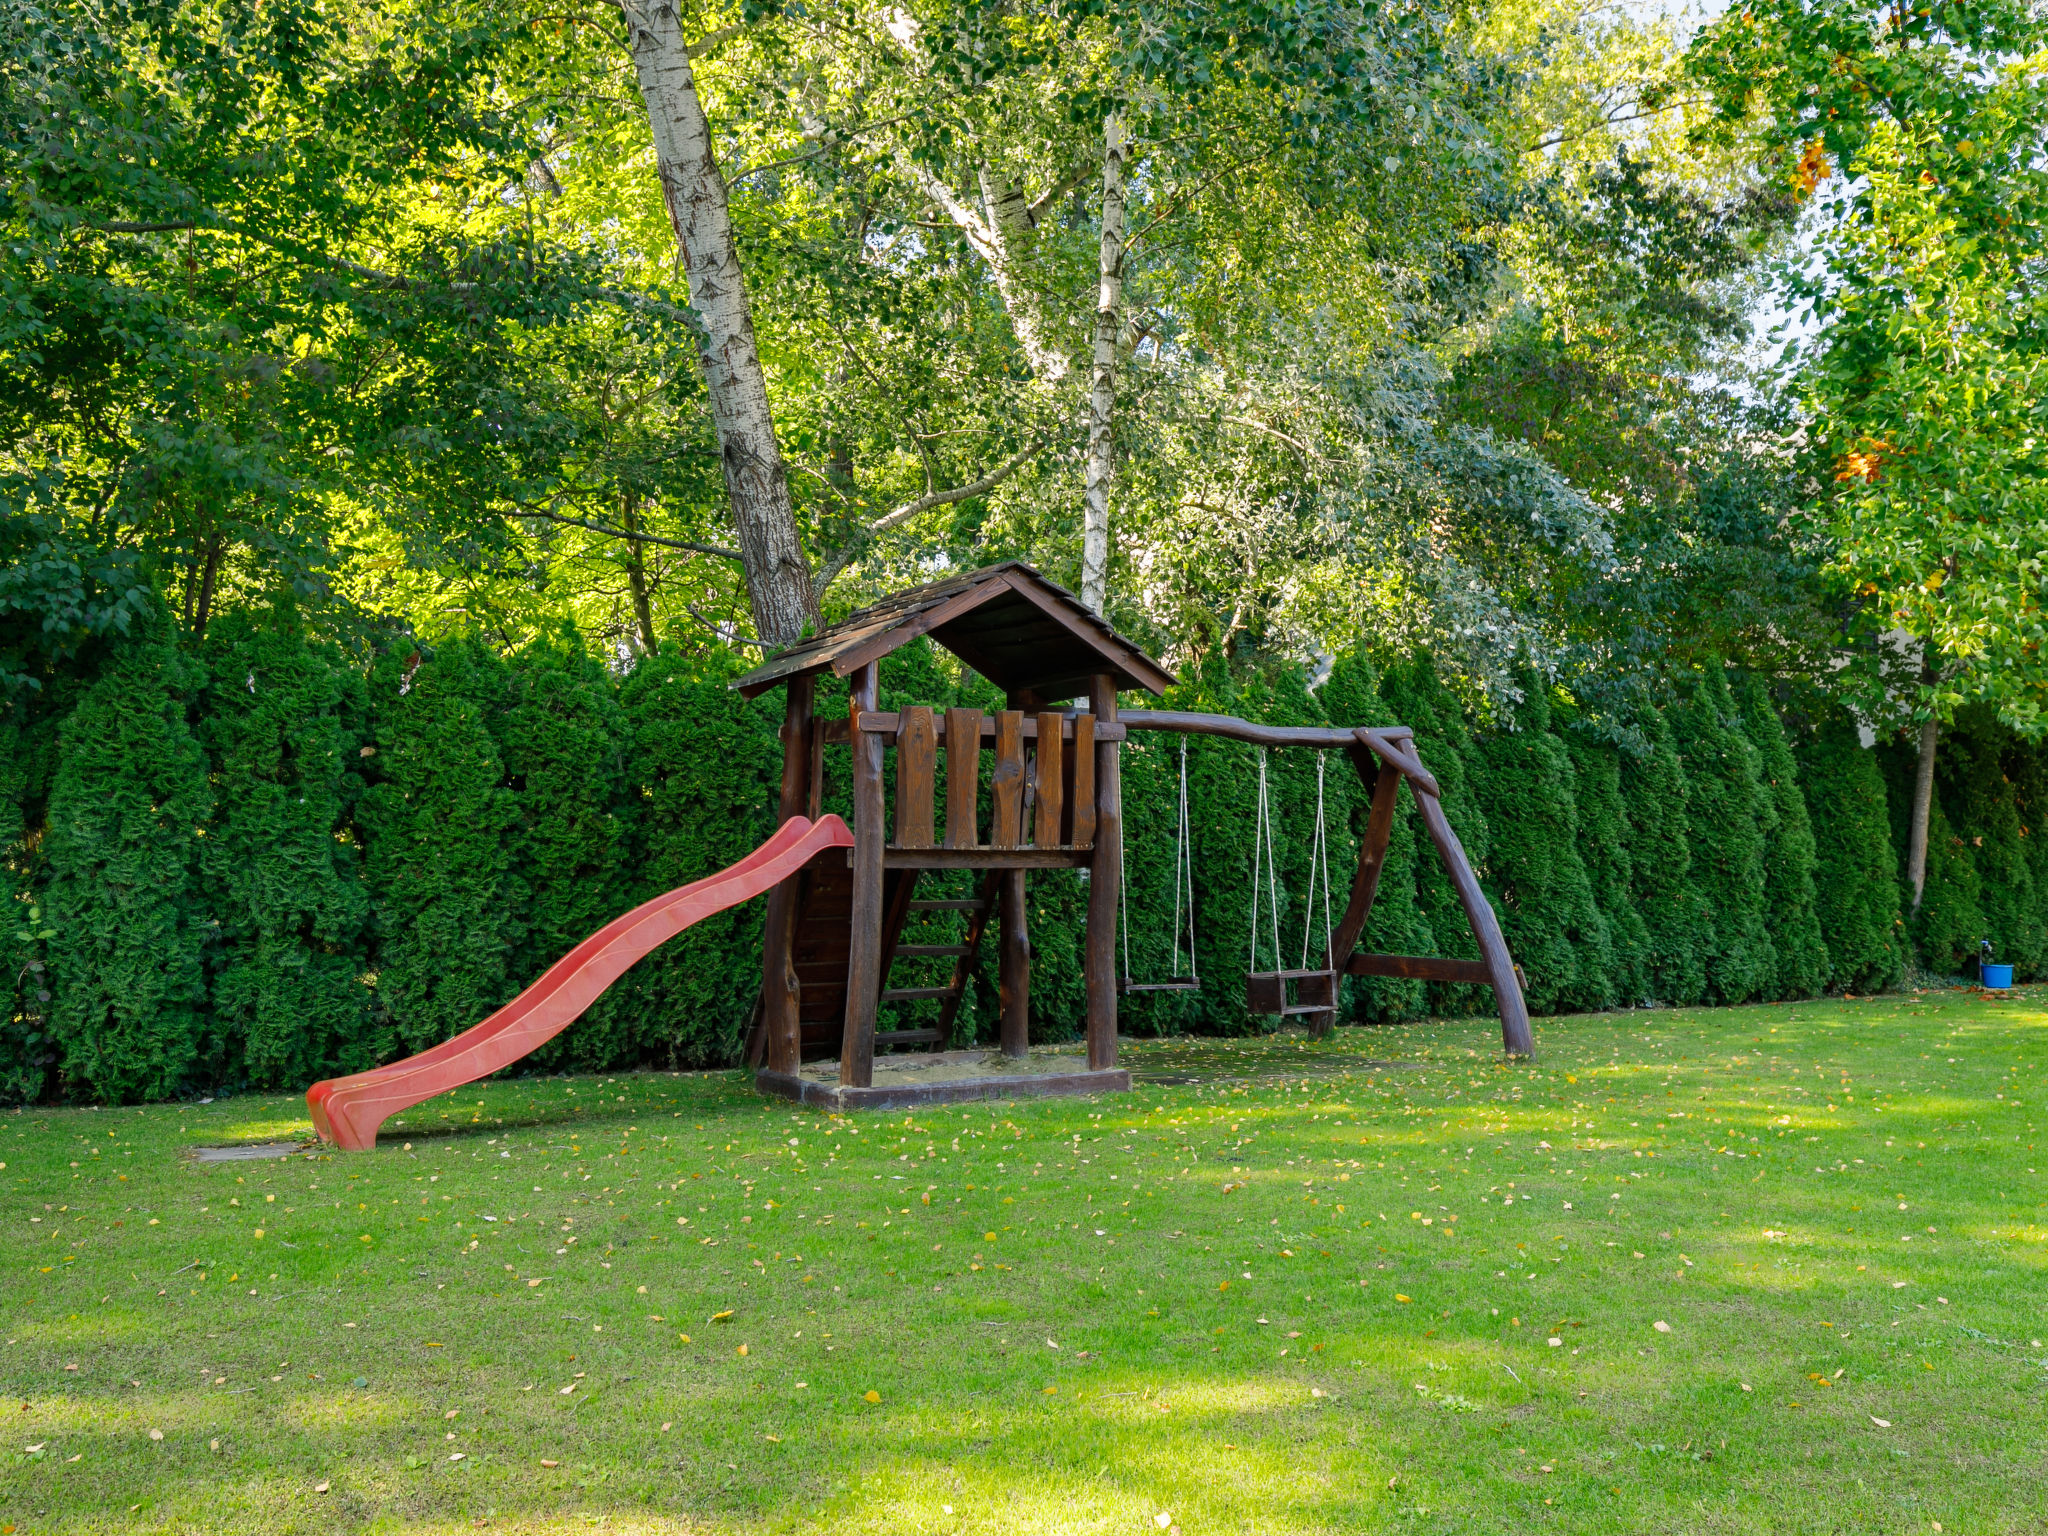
pixel 1790 900
pixel 283 721
pixel 1417 696
pixel 1681 926
pixel 127 810
pixel 438 818
pixel 1604 849
pixel 1982 804
pixel 1351 696
pixel 1727 812
pixel 707 762
pixel 2026 764
pixel 562 737
pixel 1533 871
pixel 1856 871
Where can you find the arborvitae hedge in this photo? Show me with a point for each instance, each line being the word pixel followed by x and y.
pixel 1856 881
pixel 258 865
pixel 127 813
pixel 437 816
pixel 1790 900
pixel 1523 780
pixel 1726 817
pixel 1603 848
pixel 281 721
pixel 1658 799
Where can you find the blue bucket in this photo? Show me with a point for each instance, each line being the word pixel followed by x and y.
pixel 1994 975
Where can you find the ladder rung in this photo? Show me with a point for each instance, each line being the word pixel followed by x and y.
pixel 946 906
pixel 926 951
pixel 908 1037
pixel 914 994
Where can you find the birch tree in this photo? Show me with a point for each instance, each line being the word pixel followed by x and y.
pixel 778 572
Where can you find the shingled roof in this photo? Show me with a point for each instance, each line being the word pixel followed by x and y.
pixel 1006 621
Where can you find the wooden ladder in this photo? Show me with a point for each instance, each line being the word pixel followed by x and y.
pixel 824 914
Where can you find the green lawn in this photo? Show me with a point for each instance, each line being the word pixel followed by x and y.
pixel 1382 1283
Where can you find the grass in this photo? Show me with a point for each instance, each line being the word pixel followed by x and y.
pixel 1383 1283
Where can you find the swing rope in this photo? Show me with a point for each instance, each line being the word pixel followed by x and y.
pixel 1262 846
pixel 1319 858
pixel 1183 881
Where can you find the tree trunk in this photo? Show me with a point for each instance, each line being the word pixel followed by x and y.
pixel 1109 304
pixel 1923 805
pixel 636 574
pixel 756 483
pixel 203 609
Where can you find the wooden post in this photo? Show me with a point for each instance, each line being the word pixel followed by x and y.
pixel 1365 885
pixel 779 1001
pixel 1013 967
pixel 1104 879
pixel 1493 948
pixel 864 944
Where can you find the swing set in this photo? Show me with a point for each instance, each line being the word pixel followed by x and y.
pixel 1036 786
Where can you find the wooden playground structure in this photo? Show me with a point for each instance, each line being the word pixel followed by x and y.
pixel 839 899
pixel 834 930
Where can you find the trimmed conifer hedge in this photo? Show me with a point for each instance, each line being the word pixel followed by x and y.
pixel 257 862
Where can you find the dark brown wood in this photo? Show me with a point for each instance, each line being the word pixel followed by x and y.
pixel 886 722
pixel 1081 784
pixel 963 777
pixel 898 887
pixel 945 906
pixel 914 994
pixel 917 761
pixel 864 947
pixel 1013 967
pixel 979 912
pixel 909 1037
pixel 1099 965
pixel 928 951
pixel 874 648
pixel 1006 785
pixel 1421 968
pixel 1393 744
pixel 1049 783
pixel 1365 884
pixel 1314 992
pixel 779 1043
pixel 987 858
pixel 1493 948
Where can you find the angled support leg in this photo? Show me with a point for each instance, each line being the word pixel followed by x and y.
pixel 1493 947
pixel 1365 885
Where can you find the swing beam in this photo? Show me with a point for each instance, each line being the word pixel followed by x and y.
pixel 1385 759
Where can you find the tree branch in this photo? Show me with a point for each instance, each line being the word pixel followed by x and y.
pixel 988 482
pixel 621 533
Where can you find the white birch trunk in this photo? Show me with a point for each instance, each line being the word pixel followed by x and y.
pixel 1109 303
pixel 757 485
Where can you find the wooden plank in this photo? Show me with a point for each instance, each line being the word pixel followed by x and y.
pixel 903 632
pixel 914 994
pixel 1102 640
pixel 1397 749
pixel 946 906
pixel 1006 785
pixel 778 1045
pixel 917 761
pixel 980 912
pixel 1013 968
pixel 963 777
pixel 1099 965
pixel 1493 948
pixel 909 1037
pixel 864 953
pixel 988 858
pixel 1081 789
pixel 1049 781
pixel 898 886
pixel 887 722
pixel 1421 968
pixel 928 951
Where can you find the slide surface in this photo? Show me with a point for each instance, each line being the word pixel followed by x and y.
pixel 348 1110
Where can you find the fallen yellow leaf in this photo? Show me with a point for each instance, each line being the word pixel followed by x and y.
pixel 873 1397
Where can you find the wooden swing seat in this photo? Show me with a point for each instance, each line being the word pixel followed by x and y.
pixel 1171 984
pixel 1266 992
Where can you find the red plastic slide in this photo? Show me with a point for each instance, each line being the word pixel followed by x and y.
pixel 348 1110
